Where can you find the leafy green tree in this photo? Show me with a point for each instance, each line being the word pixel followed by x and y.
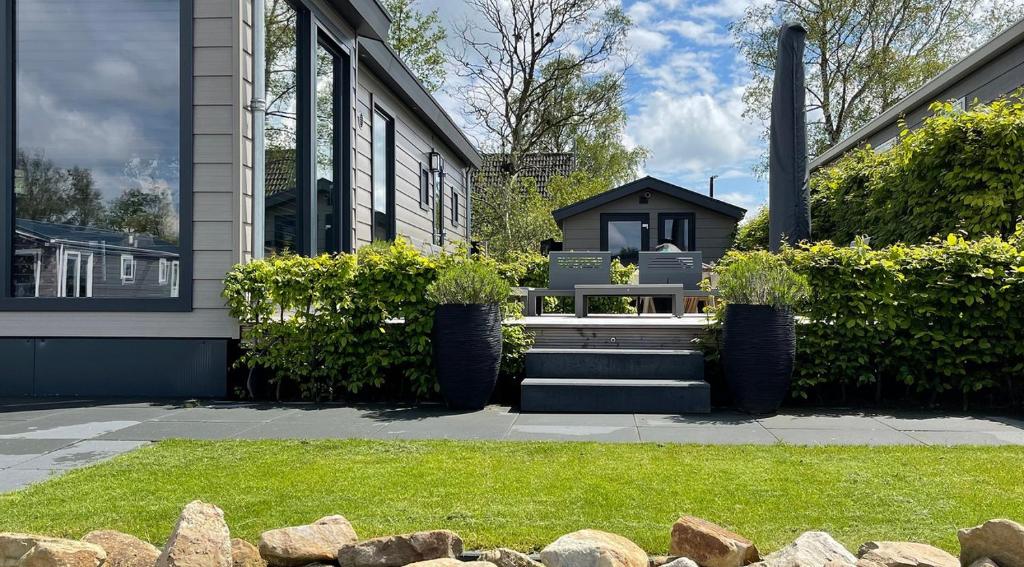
pixel 141 212
pixel 84 202
pixel 862 55
pixel 417 39
pixel 752 234
pixel 41 192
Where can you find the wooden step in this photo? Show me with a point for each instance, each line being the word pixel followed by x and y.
pixel 615 396
pixel 650 332
pixel 615 363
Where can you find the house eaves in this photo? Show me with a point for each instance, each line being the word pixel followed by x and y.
pixel 654 184
pixel 368 17
pixel 386 65
pixel 927 93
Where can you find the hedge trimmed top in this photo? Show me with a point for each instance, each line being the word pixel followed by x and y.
pixel 960 171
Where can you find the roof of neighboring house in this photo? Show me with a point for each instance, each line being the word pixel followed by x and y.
pixel 541 166
pixel 653 184
pixel 94 237
pixel 384 63
pixel 928 92
pixel 280 171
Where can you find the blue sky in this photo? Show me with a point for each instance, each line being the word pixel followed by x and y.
pixel 684 92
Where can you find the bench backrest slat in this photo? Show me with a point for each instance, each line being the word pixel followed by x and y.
pixel 567 269
pixel 671 268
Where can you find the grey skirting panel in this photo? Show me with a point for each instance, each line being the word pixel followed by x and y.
pixel 113 367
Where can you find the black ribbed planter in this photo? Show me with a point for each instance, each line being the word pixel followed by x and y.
pixel 467 353
pixel 758 348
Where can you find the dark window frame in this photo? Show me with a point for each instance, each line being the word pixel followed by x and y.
pixel 183 302
pixel 645 233
pixel 340 100
pixel 455 207
pixel 691 230
pixel 424 187
pixel 389 172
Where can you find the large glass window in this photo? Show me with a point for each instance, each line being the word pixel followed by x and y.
pixel 383 176
pixel 625 235
pixel 327 99
pixel 281 129
pixel 97 148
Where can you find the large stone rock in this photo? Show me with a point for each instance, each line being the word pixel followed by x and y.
pixel 123 550
pixel 300 545
pixel 903 554
pixel 245 554
pixel 984 562
pixel 593 548
pixel 63 553
pixel 504 557
pixel 200 539
pixel 14 546
pixel 399 550
pixel 1000 540
pixel 682 562
pixel 449 562
pixel 811 549
pixel 710 545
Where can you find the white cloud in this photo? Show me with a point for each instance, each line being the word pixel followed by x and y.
pixel 724 9
pixel 645 41
pixel 703 32
pixel 694 135
pixel 683 72
pixel 640 12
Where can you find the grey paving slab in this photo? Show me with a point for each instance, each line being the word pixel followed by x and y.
pixel 16 451
pixel 841 422
pixel 40 429
pixel 15 412
pixel 160 430
pixel 1001 437
pixel 486 424
pixel 12 479
pixel 229 413
pixel 333 414
pixel 711 420
pixel 931 422
pixel 311 430
pixel 603 433
pixel 576 419
pixel 117 413
pixel 843 437
pixel 730 434
pixel 78 455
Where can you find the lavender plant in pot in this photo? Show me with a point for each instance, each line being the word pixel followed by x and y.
pixel 759 337
pixel 467 332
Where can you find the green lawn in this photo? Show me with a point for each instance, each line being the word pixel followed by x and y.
pixel 524 495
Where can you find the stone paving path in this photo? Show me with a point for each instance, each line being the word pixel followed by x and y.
pixel 41 438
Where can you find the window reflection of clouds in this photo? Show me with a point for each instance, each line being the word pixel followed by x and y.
pixel 98 85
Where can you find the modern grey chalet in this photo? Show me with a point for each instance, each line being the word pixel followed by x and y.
pixel 639 215
pixel 148 146
pixel 993 70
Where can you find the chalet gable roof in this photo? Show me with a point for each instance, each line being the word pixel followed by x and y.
pixel 653 184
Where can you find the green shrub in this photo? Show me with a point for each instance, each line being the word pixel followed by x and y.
pixel 759 278
pixel 929 323
pixel 959 171
pixel 752 234
pixel 468 283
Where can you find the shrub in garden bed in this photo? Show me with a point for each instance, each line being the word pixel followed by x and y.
pixel 344 324
pixel 931 323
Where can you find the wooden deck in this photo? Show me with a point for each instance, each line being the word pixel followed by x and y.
pixel 648 331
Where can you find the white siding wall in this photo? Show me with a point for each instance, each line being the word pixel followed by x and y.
pixel 413 143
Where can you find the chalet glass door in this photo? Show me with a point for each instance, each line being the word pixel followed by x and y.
pixel 625 235
pixel 75 278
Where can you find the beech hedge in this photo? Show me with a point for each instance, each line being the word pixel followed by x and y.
pixel 958 171
pixel 935 323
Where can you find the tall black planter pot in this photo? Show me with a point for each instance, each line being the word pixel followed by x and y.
pixel 758 348
pixel 467 353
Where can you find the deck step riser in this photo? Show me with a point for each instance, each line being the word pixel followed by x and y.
pixel 614 337
pixel 602 363
pixel 547 396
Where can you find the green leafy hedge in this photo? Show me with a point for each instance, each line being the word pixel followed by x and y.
pixel 934 322
pixel 959 171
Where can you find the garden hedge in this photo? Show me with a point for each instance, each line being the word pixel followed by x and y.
pixel 931 323
pixel 349 323
pixel 958 171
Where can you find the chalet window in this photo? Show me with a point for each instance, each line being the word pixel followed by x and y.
pixel 424 187
pixel 162 271
pixel 127 269
pixel 306 135
pixel 95 151
pixel 383 176
pixel 678 229
pixel 455 208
